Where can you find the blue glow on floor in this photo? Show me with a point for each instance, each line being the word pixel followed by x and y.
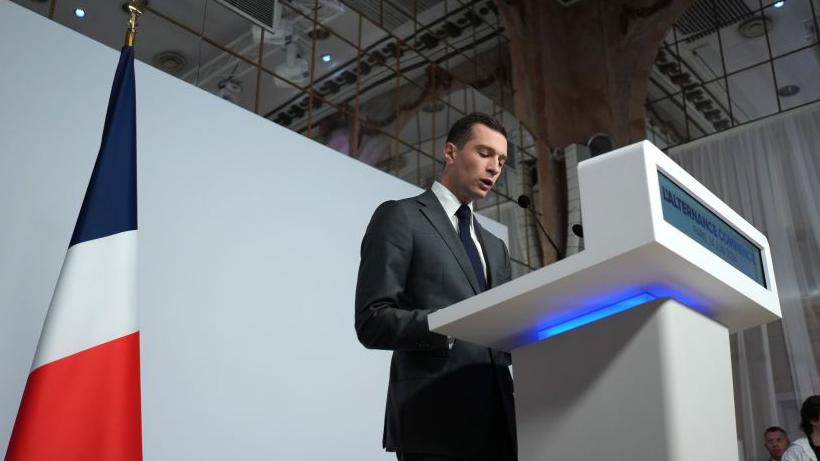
pixel 595 315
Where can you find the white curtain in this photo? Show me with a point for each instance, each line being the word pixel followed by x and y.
pixel 769 172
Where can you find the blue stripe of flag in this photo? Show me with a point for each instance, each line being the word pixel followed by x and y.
pixel 110 204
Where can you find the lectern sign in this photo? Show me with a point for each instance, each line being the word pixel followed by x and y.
pixel 688 215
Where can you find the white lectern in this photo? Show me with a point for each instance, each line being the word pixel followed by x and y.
pixel 622 351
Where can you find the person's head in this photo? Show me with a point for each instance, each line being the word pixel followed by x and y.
pixel 776 441
pixel 810 415
pixel 474 153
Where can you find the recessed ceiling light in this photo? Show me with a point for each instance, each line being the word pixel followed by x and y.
pixel 779 4
pixel 788 90
pixel 79 12
pixel 170 61
pixel 319 33
pixel 756 26
pixel 327 57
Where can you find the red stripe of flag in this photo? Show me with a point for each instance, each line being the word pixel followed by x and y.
pixel 84 406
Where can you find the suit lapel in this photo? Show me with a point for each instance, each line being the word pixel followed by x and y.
pixel 492 271
pixel 433 211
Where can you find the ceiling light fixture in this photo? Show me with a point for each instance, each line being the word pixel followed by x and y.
pixel 756 26
pixel 327 57
pixel 779 4
pixel 170 61
pixel 294 71
pixel 79 12
pixel 788 90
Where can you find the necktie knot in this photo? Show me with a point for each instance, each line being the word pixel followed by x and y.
pixel 463 213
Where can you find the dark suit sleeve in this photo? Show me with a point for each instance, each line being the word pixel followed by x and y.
pixel 382 320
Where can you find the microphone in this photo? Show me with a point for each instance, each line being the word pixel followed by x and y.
pixel 524 202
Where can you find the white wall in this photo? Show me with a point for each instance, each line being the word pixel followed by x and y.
pixel 249 238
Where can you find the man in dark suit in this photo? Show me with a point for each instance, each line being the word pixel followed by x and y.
pixel 447 399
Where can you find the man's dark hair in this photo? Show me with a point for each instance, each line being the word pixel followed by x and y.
pixel 462 130
pixel 775 429
pixel 809 411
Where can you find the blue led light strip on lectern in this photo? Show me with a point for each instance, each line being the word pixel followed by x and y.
pixel 595 315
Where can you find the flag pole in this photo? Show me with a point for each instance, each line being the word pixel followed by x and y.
pixel 134 12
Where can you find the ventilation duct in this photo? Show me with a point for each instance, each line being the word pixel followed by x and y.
pixel 391 14
pixel 705 17
pixel 268 13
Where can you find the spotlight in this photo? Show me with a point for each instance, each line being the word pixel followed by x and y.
pixel 779 4
pixel 229 89
pixel 327 57
pixel 788 90
pixel 79 12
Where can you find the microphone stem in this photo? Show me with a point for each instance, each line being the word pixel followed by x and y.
pixel 554 246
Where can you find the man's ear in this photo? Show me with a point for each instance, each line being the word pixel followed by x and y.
pixel 450 152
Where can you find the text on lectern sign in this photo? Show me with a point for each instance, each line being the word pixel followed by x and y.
pixel 689 216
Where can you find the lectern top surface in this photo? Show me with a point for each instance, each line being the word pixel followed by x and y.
pixel 650 229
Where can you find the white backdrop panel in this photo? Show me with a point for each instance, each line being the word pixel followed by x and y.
pixel 249 237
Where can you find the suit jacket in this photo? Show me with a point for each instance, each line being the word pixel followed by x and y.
pixel 439 400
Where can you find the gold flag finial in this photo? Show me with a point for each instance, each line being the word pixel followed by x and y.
pixel 134 12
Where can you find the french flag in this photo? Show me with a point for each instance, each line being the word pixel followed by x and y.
pixel 82 397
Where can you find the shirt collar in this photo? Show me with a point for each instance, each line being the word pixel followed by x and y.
pixel 448 200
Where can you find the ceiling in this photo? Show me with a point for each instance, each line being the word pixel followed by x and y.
pixel 171 29
pixel 452 32
pixel 753 79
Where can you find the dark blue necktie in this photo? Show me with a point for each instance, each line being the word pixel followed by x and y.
pixel 464 215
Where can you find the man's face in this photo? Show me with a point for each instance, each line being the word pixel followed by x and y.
pixel 473 170
pixel 776 444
